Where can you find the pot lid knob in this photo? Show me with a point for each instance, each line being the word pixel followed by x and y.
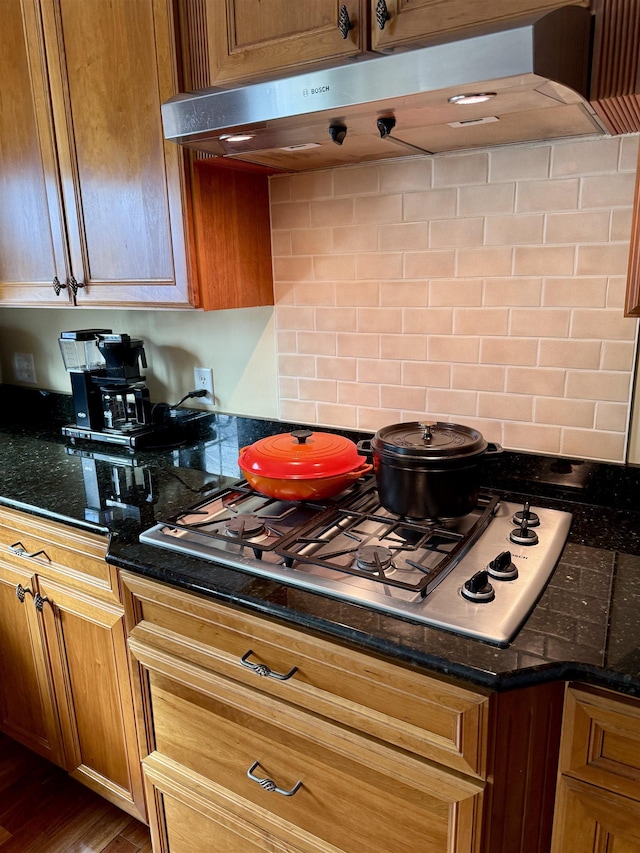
pixel 427 435
pixel 301 435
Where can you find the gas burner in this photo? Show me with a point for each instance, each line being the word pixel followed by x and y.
pixel 457 575
pixel 244 526
pixel 374 558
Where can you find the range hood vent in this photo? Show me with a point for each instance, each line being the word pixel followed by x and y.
pixel 535 72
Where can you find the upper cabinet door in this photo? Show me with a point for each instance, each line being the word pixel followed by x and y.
pixel 399 23
pixel 110 66
pixel 32 239
pixel 251 39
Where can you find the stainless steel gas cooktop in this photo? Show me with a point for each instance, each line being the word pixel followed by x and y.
pixel 479 575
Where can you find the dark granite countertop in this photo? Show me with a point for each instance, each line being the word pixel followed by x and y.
pixel 586 625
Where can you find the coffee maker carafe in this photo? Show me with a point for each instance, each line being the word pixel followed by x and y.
pixel 110 400
pixel 126 406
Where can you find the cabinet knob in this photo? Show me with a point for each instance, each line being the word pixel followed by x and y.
pixel 58 286
pixel 344 22
pixel 382 14
pixel 39 601
pixel 75 285
pixel 269 784
pixel 21 592
pixel 263 670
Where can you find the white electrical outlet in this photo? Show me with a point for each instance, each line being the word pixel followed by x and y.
pixel 203 378
pixel 24 367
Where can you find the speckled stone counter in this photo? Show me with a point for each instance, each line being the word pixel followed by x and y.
pixel 586 625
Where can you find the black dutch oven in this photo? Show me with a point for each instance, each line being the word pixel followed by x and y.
pixel 428 470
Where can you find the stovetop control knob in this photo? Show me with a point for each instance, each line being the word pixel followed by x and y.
pixel 532 518
pixel 523 535
pixel 478 588
pixel 502 567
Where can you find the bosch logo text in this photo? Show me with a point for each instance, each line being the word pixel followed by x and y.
pixel 316 90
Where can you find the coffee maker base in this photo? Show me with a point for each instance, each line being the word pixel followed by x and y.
pixel 135 439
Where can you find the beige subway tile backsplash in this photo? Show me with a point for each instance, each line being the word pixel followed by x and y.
pixel 514 229
pixel 585 226
pixel 543 196
pixel 486 260
pixel 519 164
pixel 486 287
pixel 584 157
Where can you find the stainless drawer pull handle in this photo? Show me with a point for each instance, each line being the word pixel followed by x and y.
pixel 263 670
pixel 21 592
pixel 19 549
pixel 269 784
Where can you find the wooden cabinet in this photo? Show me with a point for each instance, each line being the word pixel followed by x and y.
pixel 98 200
pixel 352 729
pixel 598 800
pixel 64 674
pixel 33 250
pixel 231 41
pixel 409 24
pixel 27 704
pixel 231 706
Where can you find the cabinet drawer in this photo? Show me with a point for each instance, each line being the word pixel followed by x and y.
pixel 220 731
pixel 55 550
pixel 408 709
pixel 601 740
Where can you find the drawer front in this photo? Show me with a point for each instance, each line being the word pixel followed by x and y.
pixel 601 739
pixel 416 712
pixel 226 733
pixel 56 550
pixel 195 816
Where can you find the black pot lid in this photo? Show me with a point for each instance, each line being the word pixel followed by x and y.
pixel 429 440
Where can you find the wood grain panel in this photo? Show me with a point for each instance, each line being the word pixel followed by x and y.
pixel 242 40
pixel 75 554
pixel 232 236
pixel 412 22
pixel 32 241
pixel 27 704
pixel 427 716
pixel 330 775
pixel 615 76
pixel 632 301
pixel 88 652
pixel 601 740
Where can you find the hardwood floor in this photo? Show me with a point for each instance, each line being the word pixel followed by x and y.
pixel 43 810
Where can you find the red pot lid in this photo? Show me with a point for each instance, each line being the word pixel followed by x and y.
pixel 301 455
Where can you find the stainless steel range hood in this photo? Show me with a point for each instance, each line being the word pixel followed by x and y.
pixel 401 105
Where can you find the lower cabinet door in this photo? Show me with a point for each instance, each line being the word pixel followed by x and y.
pixel 594 820
pixel 278 772
pixel 27 705
pixel 87 645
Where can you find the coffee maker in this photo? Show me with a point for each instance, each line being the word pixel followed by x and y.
pixel 110 400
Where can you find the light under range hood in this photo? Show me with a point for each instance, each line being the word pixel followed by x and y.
pixel 404 104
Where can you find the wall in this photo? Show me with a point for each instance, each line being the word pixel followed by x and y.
pixel 482 287
pixel 238 345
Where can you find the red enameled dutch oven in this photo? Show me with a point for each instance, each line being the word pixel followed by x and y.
pixel 302 465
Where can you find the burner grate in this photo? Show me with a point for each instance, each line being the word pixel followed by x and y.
pixel 241 516
pixel 334 543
